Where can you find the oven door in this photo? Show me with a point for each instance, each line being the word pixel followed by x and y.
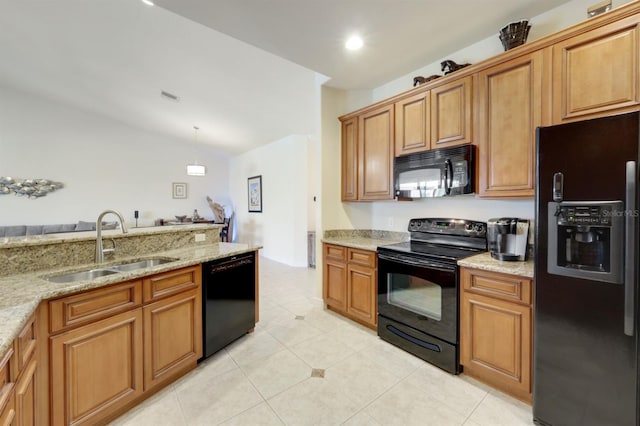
pixel 419 293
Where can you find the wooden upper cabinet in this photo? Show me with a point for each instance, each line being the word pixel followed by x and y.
pixel 596 73
pixel 452 113
pixel 350 159
pixel 412 124
pixel 510 109
pixel 375 150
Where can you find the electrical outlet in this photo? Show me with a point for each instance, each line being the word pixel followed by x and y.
pixel 200 238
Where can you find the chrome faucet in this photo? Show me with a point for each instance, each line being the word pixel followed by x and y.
pixel 100 250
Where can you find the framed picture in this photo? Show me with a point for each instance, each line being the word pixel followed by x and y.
pixel 255 194
pixel 179 190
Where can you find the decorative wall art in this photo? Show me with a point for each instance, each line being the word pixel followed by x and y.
pixel 31 188
pixel 179 190
pixel 255 194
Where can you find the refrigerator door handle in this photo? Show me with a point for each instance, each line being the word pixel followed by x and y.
pixel 630 250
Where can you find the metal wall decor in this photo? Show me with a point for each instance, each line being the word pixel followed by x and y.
pixel 31 188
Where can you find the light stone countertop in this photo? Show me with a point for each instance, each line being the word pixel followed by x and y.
pixel 363 239
pixel 485 262
pixel 21 294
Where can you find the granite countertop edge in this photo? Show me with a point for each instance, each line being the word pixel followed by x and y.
pixel 363 243
pixel 21 294
pixel 485 262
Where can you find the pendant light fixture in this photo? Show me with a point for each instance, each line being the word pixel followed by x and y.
pixel 196 169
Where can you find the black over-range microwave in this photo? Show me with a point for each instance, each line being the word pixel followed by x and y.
pixel 435 173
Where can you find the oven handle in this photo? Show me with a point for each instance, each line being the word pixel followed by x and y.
pixel 408 261
pixel 630 250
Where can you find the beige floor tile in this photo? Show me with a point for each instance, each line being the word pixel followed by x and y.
pixel 277 372
pixel 313 402
pixel 322 351
pixel 260 415
pixel 325 320
pixel 361 419
pixel 392 358
pixel 360 378
pixel 216 364
pixel 293 332
pixel 403 406
pixel 455 392
pixel 161 409
pixel 209 402
pixel 253 347
pixel 498 409
pixel 354 336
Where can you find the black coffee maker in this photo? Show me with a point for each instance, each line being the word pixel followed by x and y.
pixel 507 238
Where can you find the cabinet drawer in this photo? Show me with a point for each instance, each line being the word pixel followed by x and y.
pixel 7 377
pixel 158 286
pixel 26 343
pixel 500 286
pixel 362 257
pixel 93 305
pixel 335 252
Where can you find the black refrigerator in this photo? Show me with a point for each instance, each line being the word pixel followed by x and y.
pixel 586 263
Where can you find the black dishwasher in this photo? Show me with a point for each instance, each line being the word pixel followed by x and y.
pixel 228 300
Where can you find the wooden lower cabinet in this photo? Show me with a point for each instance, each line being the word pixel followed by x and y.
pixel 350 283
pixel 96 369
pixel 172 337
pixel 27 396
pixel 496 330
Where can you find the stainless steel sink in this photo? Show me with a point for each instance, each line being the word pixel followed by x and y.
pixel 141 264
pixel 80 276
pixel 107 270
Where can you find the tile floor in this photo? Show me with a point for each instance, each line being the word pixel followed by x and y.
pixel 307 366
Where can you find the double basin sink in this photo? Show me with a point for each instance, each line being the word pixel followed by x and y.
pixel 91 274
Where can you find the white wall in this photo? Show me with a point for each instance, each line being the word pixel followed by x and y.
pixel 281 228
pixel 103 164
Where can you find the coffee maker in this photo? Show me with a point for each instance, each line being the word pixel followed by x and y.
pixel 507 238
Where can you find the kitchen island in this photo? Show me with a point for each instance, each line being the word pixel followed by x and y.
pixel 86 350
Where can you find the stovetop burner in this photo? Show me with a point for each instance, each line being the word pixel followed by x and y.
pixel 443 239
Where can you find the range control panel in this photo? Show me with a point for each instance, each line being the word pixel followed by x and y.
pixel 586 215
pixel 449 226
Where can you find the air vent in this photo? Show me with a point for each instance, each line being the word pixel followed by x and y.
pixel 169 96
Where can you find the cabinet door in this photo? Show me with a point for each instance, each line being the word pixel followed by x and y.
pixel 361 297
pixel 96 369
pixel 412 130
pixel 350 159
pixel 452 113
pixel 510 110
pixel 375 148
pixel 335 276
pixel 495 342
pixel 596 73
pixel 172 336
pixel 26 396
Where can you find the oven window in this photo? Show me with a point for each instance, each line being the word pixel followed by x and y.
pixel 415 294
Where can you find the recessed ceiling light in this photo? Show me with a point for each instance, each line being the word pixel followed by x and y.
pixel 354 43
pixel 148 2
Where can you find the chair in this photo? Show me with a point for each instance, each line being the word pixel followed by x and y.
pixel 226 234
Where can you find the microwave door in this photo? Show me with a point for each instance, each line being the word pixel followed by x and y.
pixel 421 183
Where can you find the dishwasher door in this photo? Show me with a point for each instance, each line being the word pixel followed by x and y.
pixel 228 300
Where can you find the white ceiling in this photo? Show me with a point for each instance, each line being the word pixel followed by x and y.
pixel 113 57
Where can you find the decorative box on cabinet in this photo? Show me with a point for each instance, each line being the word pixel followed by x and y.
pixel 596 73
pixel 510 109
pixel 349 285
pixel 496 330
